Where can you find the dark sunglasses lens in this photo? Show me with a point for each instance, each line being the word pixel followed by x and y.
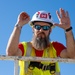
pixel 46 27
pixel 37 27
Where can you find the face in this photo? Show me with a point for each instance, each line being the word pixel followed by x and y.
pixel 41 32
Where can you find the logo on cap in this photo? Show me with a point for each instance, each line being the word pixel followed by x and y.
pixel 43 15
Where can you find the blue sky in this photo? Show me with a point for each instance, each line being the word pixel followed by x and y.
pixel 10 9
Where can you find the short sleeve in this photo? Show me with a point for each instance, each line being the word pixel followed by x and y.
pixel 59 47
pixel 20 46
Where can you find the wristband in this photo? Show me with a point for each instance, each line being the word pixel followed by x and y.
pixel 68 29
pixel 17 25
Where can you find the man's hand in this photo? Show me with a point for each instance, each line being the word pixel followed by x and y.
pixel 64 20
pixel 23 18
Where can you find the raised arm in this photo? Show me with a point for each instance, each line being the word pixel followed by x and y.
pixel 64 23
pixel 12 46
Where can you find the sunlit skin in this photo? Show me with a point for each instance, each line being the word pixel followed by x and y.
pixel 24 18
pixel 39 32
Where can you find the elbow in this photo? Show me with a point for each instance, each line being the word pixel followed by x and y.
pixel 9 52
pixel 71 55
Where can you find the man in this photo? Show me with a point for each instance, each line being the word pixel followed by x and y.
pixel 40 46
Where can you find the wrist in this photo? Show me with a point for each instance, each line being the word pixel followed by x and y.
pixel 18 26
pixel 68 29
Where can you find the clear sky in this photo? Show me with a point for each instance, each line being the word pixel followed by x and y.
pixel 9 10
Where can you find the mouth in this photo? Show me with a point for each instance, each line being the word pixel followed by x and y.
pixel 42 35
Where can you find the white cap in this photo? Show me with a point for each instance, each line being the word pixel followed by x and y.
pixel 43 16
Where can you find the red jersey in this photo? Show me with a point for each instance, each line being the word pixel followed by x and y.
pixel 58 47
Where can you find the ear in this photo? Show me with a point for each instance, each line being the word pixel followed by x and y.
pixel 32 29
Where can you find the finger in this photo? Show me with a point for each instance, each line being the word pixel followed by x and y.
pixel 25 16
pixel 58 14
pixel 67 14
pixel 62 12
pixel 56 24
pixel 28 19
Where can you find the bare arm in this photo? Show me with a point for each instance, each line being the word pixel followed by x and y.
pixel 64 23
pixel 70 52
pixel 12 46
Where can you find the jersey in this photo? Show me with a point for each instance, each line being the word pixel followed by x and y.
pixel 58 46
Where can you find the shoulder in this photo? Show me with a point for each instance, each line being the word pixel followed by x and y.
pixel 22 46
pixel 56 44
pixel 23 43
pixel 58 47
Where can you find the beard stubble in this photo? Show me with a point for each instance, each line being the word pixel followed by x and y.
pixel 40 42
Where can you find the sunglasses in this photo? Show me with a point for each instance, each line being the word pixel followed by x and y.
pixel 38 27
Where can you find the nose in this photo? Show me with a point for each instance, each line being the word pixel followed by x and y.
pixel 41 30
